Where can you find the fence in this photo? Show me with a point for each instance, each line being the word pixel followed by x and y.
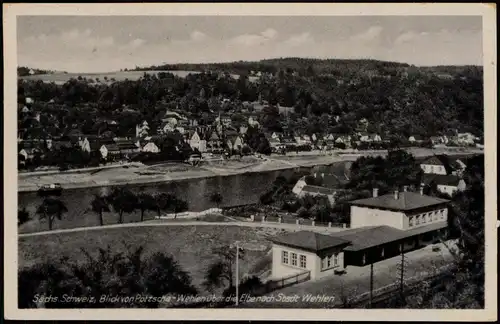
pixel 256 291
pixel 296 221
pixel 387 292
pixel 276 284
pixel 189 214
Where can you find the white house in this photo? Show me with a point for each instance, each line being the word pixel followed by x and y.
pixel 415 139
pixel 402 210
pixel 465 138
pixel 370 138
pixel 436 164
pixel 302 252
pixel 142 129
pixel 197 143
pixel 448 184
pixel 234 142
pixel 109 150
pixel 150 147
pixel 84 144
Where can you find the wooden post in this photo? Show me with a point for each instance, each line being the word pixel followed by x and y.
pixel 371 284
pixel 402 269
pixel 237 279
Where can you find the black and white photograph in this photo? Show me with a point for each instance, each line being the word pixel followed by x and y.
pixel 296 161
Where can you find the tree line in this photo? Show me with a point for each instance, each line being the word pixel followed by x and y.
pixel 395 99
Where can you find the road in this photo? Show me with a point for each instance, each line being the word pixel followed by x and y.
pixel 180 222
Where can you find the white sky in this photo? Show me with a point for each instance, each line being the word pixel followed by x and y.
pixel 109 43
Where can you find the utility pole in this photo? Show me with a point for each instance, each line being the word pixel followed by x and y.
pixel 401 269
pixel 371 284
pixel 237 272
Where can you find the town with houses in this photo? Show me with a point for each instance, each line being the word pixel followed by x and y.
pixel 246 183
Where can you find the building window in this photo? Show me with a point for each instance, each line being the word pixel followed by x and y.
pixel 335 260
pixel 284 257
pixel 324 263
pixel 423 218
pixel 417 219
pixel 303 261
pixel 435 215
pixel 432 169
pixel 429 217
pixel 442 214
pixel 411 221
pixel 294 259
pixel 328 262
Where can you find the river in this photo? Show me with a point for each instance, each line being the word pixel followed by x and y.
pixel 241 189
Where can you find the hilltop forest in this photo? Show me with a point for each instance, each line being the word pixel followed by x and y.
pixel 396 99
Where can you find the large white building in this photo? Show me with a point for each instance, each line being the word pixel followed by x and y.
pixel 381 227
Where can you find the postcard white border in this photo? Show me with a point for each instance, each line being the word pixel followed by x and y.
pixel 11 11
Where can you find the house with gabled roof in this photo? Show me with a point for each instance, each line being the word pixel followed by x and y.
pixel 436 164
pixel 448 184
pixel 196 141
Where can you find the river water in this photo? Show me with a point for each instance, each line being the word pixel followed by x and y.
pixel 241 189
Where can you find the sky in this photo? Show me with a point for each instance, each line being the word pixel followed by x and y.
pixel 110 43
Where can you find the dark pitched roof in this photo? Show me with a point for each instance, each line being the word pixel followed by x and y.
pixel 126 145
pixel 406 201
pixel 111 147
pixel 440 159
pixel 370 236
pixel 440 179
pixel 310 241
pixel 318 190
pixel 366 237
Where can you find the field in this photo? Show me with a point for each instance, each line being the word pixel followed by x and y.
pixel 118 76
pixel 61 78
pixel 190 245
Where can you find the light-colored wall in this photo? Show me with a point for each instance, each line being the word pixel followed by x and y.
pixel 450 190
pixel 433 169
pixel 280 270
pixel 364 216
pixel 297 189
pixel 104 151
pixel 151 147
pixel 442 215
pixel 331 270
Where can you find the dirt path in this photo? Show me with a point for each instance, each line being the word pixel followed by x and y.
pixel 180 222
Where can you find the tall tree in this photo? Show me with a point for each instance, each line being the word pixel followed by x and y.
pixel 145 202
pixel 107 273
pixel 220 273
pixel 123 201
pixel 23 216
pixel 216 198
pixel 51 209
pixel 98 205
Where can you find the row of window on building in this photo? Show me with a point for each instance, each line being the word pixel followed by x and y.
pixel 426 218
pixel 329 261
pixel 291 259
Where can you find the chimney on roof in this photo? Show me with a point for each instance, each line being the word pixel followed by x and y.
pixel 396 194
pixel 405 188
pixel 375 192
pixel 422 189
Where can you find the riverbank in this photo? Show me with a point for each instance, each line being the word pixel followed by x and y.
pixel 142 174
